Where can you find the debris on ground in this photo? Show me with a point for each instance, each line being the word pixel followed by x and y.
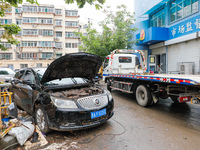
pixel 40 142
pixel 21 128
pixel 63 146
pixel 22 132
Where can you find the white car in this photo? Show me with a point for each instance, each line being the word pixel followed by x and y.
pixel 6 74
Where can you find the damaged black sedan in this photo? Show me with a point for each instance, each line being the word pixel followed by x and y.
pixel 64 96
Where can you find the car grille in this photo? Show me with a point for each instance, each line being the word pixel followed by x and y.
pixel 93 102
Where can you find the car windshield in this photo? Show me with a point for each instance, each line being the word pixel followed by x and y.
pixel 64 81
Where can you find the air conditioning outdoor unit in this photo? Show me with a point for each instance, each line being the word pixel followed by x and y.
pixel 34 25
pixel 19 15
pixel 186 69
pixel 39 49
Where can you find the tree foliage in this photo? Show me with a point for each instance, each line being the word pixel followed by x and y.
pixel 116 33
pixel 13 29
pixel 81 3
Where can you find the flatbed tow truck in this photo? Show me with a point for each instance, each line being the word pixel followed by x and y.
pixel 124 72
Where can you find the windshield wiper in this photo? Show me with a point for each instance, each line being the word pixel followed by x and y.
pixel 74 81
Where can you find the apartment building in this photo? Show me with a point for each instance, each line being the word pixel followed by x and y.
pixel 48 32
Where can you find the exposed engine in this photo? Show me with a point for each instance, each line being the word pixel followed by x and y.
pixel 77 93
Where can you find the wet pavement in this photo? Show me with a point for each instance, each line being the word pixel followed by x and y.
pixel 163 126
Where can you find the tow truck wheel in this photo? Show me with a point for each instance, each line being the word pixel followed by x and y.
pixel 108 85
pixel 41 119
pixel 143 96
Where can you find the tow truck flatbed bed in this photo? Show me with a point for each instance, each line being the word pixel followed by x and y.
pixel 168 78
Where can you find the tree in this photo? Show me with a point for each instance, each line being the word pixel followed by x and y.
pixel 13 29
pixel 116 33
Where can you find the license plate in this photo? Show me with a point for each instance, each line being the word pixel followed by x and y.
pixel 98 113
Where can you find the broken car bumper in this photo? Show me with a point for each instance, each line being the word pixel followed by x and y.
pixel 77 120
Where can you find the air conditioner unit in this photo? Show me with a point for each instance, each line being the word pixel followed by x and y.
pixel 53 26
pixel 39 49
pixel 186 68
pixel 34 25
pixel 19 15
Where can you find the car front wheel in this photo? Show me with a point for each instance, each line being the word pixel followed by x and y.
pixel 41 119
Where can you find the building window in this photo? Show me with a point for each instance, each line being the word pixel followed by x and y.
pixel 58 34
pixel 18 10
pixel 18 21
pixel 8 10
pixel 45 9
pixel 5 56
pixel 19 33
pixel 23 66
pixel 45 20
pixel 5 21
pixel 85 26
pixel 58 11
pixel 182 8
pixel 58 44
pixel 47 32
pixel 74 45
pixel 29 8
pixel 30 20
pixel 47 55
pixel 70 35
pixel 58 55
pixel 85 34
pixel 46 44
pixel 39 65
pixel 29 44
pixel 2 32
pixel 71 23
pixel 58 22
pixel 68 45
pixel 158 19
pixel 6 45
pixel 71 13
pixel 71 45
pixel 10 66
pixel 29 55
pixel 30 32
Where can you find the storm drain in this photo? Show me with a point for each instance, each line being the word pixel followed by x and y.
pixel 93 102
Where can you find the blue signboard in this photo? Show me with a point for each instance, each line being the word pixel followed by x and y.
pixel 184 28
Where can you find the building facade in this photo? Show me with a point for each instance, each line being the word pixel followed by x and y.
pixel 48 32
pixel 169 31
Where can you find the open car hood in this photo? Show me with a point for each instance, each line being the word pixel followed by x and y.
pixel 81 64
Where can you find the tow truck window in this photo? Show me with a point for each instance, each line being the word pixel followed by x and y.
pixel 106 62
pixel 125 60
pixel 137 62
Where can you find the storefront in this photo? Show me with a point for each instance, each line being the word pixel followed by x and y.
pixel 171 36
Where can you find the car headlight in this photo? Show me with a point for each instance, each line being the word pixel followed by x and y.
pixel 61 103
pixel 109 95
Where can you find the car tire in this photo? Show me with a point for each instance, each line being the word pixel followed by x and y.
pixel 41 119
pixel 143 96
pixel 108 85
